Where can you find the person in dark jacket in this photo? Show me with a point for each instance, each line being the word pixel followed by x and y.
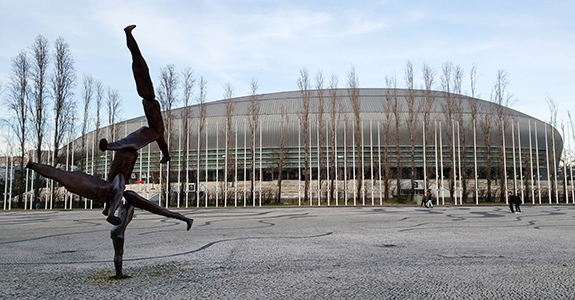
pixel 511 201
pixel 517 204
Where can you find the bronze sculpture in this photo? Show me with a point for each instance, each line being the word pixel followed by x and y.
pixel 111 192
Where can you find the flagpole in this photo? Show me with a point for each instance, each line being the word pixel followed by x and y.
pixel 441 160
pixel 504 161
pixel 549 186
pixel 520 163
pixel 299 163
pixel 532 175
pixel 475 163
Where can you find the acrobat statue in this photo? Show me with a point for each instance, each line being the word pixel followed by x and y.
pixel 111 192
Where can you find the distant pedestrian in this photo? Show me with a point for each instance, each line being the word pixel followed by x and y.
pixel 511 201
pixel 38 205
pixel 428 199
pixel 517 203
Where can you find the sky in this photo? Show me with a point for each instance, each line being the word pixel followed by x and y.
pixel 236 42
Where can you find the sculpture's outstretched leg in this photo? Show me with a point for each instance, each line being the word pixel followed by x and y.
pixel 117 235
pixel 76 182
pixel 140 202
pixel 134 141
pixel 139 67
pixel 146 91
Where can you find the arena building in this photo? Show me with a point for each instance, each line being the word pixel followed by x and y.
pixel 442 138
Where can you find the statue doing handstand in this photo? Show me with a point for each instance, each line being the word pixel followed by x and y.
pixel 111 192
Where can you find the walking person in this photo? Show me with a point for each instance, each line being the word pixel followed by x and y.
pixel 511 201
pixel 427 201
pixel 517 204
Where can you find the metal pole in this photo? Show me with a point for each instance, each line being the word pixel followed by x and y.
pixel 318 168
pixel 537 161
pixel 187 162
pixel 261 172
pixel 565 168
pixel 520 162
pixel 236 167
pixel 299 163
pixel 345 183
pixel 424 157
pixel 198 167
pixel 327 162
pixel 436 166
pixel 504 161
pixel 206 156
pixel 371 158
pixel 459 163
pixel 549 186
pixel 353 162
pixel 453 162
pixel 179 162
pixel 336 166
pixel 554 164
pixel 217 163
pixel 531 164
pixel 441 160
pixel 475 163
pixel 245 162
pixel 514 161
pixel 379 164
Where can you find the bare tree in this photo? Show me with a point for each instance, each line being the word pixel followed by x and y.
pixel 413 112
pixel 461 144
pixel 17 103
pixel 389 107
pixel 553 109
pixel 188 82
pixel 87 96
pixel 63 83
pixel 320 120
pixel 282 151
pixel 449 109
pixel 113 106
pixel 201 99
pixel 503 99
pixel 334 103
pixel 230 104
pixel 99 102
pixel 167 96
pixel 428 80
pixel 473 105
pixel 353 93
pixel 304 87
pixel 254 111
pixel 166 92
pixel 395 108
pixel 40 62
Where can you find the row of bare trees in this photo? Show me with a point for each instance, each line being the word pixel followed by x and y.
pixel 41 94
pixel 42 104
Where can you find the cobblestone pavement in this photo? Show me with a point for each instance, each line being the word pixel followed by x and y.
pixel 378 252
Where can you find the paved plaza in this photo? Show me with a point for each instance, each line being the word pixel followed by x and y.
pixel 381 252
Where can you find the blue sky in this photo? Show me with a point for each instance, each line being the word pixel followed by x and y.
pixel 237 41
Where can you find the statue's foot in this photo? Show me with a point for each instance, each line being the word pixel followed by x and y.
pixel 114 220
pixel 189 222
pixel 129 28
pixel 103 145
pixel 165 159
